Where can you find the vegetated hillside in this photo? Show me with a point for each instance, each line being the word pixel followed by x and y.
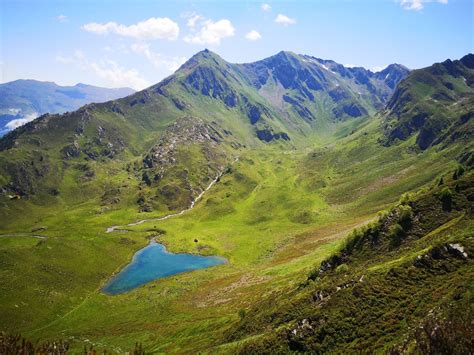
pixel 286 99
pixel 401 283
pixel 288 189
pixel 23 100
pixel 434 103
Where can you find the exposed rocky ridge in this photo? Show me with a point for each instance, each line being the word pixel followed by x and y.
pixel 185 131
pixel 307 81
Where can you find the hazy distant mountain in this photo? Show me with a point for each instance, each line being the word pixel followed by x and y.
pixel 23 100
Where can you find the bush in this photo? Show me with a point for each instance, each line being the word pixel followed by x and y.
pixel 405 216
pixel 342 268
pixel 396 235
pixel 406 198
pixel 446 197
pixel 242 313
pixel 458 172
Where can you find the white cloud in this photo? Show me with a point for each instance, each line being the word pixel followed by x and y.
pixel 266 7
pixel 212 32
pixel 153 28
pixel 417 5
pixel 21 121
pixel 111 73
pixel 284 20
pixel 192 19
pixel 62 18
pixel 253 36
pixel 169 63
pixel 118 76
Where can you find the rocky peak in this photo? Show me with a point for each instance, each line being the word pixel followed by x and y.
pixel 392 74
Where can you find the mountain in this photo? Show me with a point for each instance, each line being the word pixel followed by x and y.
pixel 286 98
pixel 23 100
pixel 434 104
pixel 338 239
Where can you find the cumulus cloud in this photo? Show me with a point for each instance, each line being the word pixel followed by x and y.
pixel 111 73
pixel 21 121
pixel 284 20
pixel 212 32
pixel 417 5
pixel 158 60
pixel 153 28
pixel 253 36
pixel 266 7
pixel 62 18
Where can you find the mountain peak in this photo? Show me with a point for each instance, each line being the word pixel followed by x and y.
pixel 203 57
pixel 468 60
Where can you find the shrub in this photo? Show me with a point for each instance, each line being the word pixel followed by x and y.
pixel 406 198
pixel 458 172
pixel 396 235
pixel 342 268
pixel 446 197
pixel 405 216
pixel 242 313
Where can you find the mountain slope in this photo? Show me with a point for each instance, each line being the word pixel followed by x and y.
pixel 23 100
pixel 299 98
pixel 409 268
pixel 320 88
pixel 433 103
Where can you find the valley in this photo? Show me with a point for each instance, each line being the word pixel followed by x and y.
pixel 273 184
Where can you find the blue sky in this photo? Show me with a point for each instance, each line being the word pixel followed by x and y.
pixel 138 43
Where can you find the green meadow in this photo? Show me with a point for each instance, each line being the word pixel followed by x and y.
pixel 275 214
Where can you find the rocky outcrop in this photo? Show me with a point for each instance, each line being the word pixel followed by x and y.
pixel 268 135
pixel 185 131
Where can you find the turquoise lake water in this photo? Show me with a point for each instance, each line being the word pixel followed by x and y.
pixel 154 262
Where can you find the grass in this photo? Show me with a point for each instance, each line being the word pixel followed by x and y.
pixel 277 215
pixel 372 296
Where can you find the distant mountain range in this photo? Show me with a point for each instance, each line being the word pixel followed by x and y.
pixel 23 100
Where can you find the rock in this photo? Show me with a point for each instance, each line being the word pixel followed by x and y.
pixel 458 249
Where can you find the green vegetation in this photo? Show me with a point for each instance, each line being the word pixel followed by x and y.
pixel 383 294
pixel 294 176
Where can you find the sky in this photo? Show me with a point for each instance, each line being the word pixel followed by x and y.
pixel 118 43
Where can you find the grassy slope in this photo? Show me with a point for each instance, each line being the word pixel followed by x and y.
pixel 274 217
pixel 377 293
